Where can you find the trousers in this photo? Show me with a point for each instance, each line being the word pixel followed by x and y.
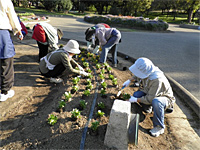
pixel 7 74
pixel 159 104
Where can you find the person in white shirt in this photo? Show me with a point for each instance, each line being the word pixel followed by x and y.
pixel 8 21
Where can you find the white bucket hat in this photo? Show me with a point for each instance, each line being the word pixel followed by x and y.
pixel 72 46
pixel 142 68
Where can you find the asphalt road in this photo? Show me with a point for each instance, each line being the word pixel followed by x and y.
pixel 176 52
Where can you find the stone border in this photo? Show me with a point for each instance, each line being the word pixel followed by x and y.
pixel 189 26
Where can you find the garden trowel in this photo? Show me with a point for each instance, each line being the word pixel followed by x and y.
pixel 118 94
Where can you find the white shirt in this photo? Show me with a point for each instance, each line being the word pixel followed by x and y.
pixel 8 17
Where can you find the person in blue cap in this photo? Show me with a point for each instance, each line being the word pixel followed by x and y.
pixel 154 92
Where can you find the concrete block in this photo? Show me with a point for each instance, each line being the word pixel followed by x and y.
pixel 117 129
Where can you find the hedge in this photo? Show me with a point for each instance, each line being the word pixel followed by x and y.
pixel 129 21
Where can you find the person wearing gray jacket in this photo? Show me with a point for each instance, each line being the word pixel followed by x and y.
pixel 154 92
pixel 55 63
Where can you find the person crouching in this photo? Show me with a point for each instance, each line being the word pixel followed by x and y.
pixel 55 63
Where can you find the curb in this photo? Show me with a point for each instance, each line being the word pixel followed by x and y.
pixel 189 26
pixel 181 92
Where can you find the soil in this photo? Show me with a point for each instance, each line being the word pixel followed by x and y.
pixel 24 117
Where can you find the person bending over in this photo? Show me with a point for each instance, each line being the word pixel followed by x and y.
pixel 55 63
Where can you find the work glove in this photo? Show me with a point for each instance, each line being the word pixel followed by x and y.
pixel 80 68
pixel 133 99
pixel 126 83
pixel 84 73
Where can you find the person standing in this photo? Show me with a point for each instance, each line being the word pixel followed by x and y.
pixel 8 21
pixel 154 92
pixel 47 37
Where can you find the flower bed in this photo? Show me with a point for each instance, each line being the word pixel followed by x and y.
pixel 130 22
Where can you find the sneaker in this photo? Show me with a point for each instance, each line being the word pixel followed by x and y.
pixel 4 97
pixel 56 80
pixel 114 65
pixel 147 108
pixel 170 110
pixel 156 131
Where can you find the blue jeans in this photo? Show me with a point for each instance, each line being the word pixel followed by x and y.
pixel 159 104
pixel 111 45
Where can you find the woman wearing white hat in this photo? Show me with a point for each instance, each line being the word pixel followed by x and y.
pixel 154 91
pixel 56 62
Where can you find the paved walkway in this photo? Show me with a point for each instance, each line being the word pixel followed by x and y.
pixel 176 52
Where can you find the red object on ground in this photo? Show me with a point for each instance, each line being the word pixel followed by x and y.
pixel 39 34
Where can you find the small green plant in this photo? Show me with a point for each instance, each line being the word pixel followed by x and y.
pixel 68 96
pixel 105 64
pixel 88 70
pixel 86 92
pixel 102 71
pixel 103 91
pixel 109 69
pixel 101 76
pixel 75 88
pixel 95 125
pixel 104 85
pixel 89 82
pixel 61 104
pixel 98 66
pixel 111 76
pixel 90 76
pixel 100 113
pixel 76 68
pixel 75 80
pixel 101 105
pixel 83 59
pixel 114 81
pixel 86 64
pixel 76 113
pixel 90 86
pixel 126 96
pixel 52 119
pixel 83 104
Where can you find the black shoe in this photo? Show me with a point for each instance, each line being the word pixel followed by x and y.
pixel 170 110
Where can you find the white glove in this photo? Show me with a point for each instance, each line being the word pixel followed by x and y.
pixel 96 50
pixel 80 68
pixel 133 99
pixel 84 73
pixel 126 83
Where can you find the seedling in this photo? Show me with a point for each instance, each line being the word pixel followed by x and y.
pixel 75 80
pixel 98 66
pixel 101 105
pixel 74 89
pixel 105 65
pixel 52 119
pixel 89 70
pixel 102 71
pixel 90 76
pixel 95 126
pixel 76 68
pixel 83 104
pixel 101 76
pixel 100 113
pixel 76 113
pixel 89 87
pixel 111 76
pixel 86 92
pixel 89 82
pixel 103 91
pixel 109 69
pixel 61 104
pixel 104 85
pixel 126 96
pixel 68 96
pixel 85 64
pixel 83 59
pixel 114 81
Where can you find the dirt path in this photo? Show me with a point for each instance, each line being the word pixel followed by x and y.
pixel 24 117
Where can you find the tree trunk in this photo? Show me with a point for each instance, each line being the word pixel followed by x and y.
pixel 190 12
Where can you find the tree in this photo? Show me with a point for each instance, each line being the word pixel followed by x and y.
pixel 50 4
pixel 191 6
pixel 64 5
